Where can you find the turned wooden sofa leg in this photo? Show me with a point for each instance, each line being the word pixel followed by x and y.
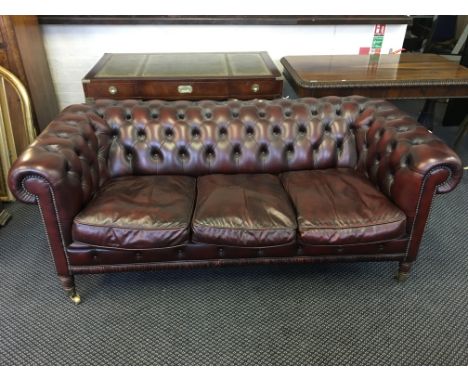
pixel 404 270
pixel 68 283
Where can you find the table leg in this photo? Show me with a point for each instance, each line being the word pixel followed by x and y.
pixel 426 117
pixel 462 129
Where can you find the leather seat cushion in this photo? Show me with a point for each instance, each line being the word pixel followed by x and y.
pixel 138 212
pixel 340 206
pixel 243 210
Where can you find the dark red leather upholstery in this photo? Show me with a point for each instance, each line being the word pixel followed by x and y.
pixel 340 206
pixel 196 138
pixel 138 213
pixel 88 148
pixel 397 153
pixel 243 210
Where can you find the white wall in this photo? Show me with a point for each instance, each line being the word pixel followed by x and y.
pixel 73 50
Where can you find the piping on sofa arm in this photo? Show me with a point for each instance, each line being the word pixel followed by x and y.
pixel 407 163
pixel 60 172
pixel 399 156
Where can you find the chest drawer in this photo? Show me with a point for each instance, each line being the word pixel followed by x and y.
pixel 110 89
pixel 170 90
pixel 255 88
pixel 173 90
pixel 191 90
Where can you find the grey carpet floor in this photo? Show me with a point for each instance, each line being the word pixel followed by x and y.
pixel 334 314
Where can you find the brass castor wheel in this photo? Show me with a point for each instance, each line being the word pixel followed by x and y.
pixel 76 298
pixel 402 276
pixel 68 283
pixel 73 296
pixel 404 271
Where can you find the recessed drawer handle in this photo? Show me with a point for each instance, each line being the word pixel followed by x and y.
pixel 112 90
pixel 255 88
pixel 184 89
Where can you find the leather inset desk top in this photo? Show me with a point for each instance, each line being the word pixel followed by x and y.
pixel 186 65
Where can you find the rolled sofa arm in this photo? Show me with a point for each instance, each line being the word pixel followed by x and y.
pixel 59 171
pixel 404 159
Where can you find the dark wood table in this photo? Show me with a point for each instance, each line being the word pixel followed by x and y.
pixel 409 75
pixel 194 76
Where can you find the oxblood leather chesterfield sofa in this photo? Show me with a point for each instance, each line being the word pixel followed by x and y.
pixel 137 185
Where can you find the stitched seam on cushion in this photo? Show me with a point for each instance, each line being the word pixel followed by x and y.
pixel 361 226
pixel 246 229
pixel 135 228
pixel 87 247
pixel 185 245
pixel 366 243
pixel 193 208
pixel 92 246
pixel 248 247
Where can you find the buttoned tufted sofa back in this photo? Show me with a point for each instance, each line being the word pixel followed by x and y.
pixel 196 138
pixel 88 144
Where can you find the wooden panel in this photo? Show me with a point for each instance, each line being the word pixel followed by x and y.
pixel 36 68
pixel 384 76
pixel 3 59
pixel 228 20
pixel 15 65
pixel 10 58
pixel 26 58
pixel 408 92
pixel 22 53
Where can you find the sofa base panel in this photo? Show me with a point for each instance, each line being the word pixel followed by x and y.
pixel 233 262
pixel 80 254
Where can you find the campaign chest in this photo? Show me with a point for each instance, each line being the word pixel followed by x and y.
pixel 192 76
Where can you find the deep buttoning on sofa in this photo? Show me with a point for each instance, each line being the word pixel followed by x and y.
pixel 132 185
